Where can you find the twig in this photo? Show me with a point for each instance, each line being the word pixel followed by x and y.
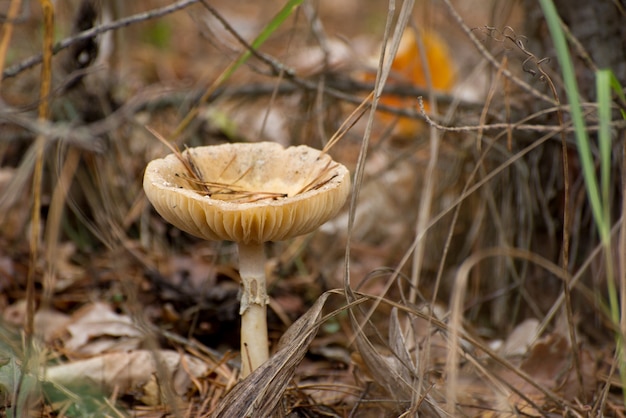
pixel 490 58
pixel 93 32
pixel 619 124
pixel 78 136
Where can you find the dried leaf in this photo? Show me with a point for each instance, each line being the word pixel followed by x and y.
pixel 378 364
pixel 336 55
pixel 128 371
pixel 259 394
pixel 49 323
pixel 550 365
pixel 522 337
pixel 66 271
pixel 97 328
pixel 401 358
pixel 391 372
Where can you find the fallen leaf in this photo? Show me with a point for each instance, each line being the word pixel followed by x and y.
pixel 66 271
pixel 97 328
pixel 391 370
pixel 48 322
pixel 550 365
pixel 129 371
pixel 521 338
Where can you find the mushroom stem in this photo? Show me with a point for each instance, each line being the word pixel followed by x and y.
pixel 253 309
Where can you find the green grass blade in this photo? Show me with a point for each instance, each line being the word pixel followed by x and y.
pixel 599 202
pixel 617 88
pixel 603 89
pixel 573 96
pixel 269 29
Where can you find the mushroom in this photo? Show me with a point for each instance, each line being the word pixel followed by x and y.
pixel 249 193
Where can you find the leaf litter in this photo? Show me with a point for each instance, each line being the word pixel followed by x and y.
pixel 344 364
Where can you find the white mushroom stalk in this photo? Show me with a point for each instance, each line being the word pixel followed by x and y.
pixel 253 307
pixel 249 193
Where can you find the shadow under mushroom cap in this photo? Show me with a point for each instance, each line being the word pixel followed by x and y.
pixel 251 192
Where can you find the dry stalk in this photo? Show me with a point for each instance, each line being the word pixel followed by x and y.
pixel 229 192
pixel 7 31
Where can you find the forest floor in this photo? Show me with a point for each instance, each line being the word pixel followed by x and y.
pixel 440 288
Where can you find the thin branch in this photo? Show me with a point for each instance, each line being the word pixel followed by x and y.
pixel 520 126
pixel 95 31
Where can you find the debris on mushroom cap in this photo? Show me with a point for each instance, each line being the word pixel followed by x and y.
pixel 248 192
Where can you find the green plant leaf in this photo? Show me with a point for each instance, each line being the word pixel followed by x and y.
pixel 617 88
pixel 267 31
pixel 578 120
pixel 603 88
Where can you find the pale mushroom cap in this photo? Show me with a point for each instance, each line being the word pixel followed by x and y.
pixel 309 187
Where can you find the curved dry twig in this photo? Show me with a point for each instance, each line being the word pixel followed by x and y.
pixel 491 59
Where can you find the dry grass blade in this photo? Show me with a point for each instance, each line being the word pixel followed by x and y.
pixel 53 225
pixel 43 111
pixel 455 323
pixel 398 343
pixel 395 372
pixel 7 31
pixel 349 122
pixel 321 178
pixel 394 380
pixel 259 394
pixel 229 192
pixel 187 160
pixel 190 164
